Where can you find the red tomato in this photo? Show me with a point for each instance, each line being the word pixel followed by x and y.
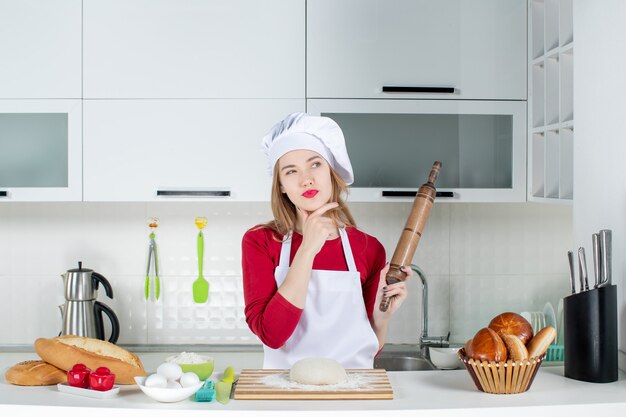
pixel 79 367
pixel 78 376
pixel 102 379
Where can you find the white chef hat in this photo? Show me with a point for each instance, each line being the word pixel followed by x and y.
pixel 316 133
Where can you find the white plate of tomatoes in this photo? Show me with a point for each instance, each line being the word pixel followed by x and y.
pixel 94 384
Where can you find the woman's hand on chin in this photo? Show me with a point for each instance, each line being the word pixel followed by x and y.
pixel 316 227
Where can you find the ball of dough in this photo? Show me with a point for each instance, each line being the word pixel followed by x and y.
pixel 318 371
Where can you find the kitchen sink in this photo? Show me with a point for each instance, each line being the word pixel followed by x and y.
pixel 403 363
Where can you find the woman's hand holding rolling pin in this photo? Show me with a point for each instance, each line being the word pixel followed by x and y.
pixel 396 292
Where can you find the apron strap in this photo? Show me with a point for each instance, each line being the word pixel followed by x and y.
pixel 347 249
pixel 285 251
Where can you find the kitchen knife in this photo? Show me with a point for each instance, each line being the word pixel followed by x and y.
pixel 582 270
pixel 597 265
pixel 572 273
pixel 605 254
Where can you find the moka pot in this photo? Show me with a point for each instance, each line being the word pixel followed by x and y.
pixel 82 314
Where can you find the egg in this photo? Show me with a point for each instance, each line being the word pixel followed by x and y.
pixel 170 371
pixel 189 379
pixel 173 384
pixel 156 381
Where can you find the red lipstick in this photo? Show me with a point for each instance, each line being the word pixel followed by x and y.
pixel 309 193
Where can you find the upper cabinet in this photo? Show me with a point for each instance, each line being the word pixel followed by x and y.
pixel 393 144
pixel 194 49
pixel 551 101
pixel 40 49
pixel 444 49
pixel 179 150
pixel 40 150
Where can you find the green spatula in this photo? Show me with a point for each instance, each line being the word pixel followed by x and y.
pixel 200 285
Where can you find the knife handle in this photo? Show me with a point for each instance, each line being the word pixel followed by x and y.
pixel 605 249
pixel 582 270
pixel 597 265
pixel 572 272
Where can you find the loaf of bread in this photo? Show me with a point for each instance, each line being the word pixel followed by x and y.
pixel 540 343
pixel 65 351
pixel 488 346
pixel 34 372
pixel 512 323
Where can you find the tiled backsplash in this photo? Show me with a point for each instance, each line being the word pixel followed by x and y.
pixel 480 259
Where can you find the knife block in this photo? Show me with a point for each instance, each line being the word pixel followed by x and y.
pixel 590 335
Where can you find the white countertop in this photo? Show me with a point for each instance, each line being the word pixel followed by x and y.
pixel 439 393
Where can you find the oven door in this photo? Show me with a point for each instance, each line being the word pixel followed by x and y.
pixel 393 143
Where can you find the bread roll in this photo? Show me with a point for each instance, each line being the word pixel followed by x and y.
pixel 65 351
pixel 539 344
pixel 488 346
pixel 34 372
pixel 468 348
pixel 512 323
pixel 516 349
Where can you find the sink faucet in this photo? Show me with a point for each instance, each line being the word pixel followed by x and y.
pixel 425 340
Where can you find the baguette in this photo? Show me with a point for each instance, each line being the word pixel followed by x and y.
pixel 34 373
pixel 65 351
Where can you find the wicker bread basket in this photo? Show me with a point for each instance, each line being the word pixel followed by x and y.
pixel 510 377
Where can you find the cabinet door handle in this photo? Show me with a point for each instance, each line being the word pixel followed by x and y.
pixel 193 193
pixel 406 89
pixel 4 194
pixel 390 193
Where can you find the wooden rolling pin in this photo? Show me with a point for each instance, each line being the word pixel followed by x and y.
pixel 412 232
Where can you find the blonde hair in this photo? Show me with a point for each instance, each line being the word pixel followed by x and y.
pixel 285 212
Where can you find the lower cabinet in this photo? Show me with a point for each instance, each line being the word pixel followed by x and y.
pixel 182 150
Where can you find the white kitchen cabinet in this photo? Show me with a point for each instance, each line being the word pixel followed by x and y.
pixel 40 150
pixel 40 48
pixel 393 144
pixel 551 101
pixel 179 150
pixel 194 49
pixel 477 48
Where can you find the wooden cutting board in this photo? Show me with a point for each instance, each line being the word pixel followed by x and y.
pixel 274 384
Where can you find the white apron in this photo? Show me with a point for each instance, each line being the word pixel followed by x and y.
pixel 334 322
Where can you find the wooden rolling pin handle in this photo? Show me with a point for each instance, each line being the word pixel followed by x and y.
pixel 412 232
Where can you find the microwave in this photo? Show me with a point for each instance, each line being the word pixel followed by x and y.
pixel 393 144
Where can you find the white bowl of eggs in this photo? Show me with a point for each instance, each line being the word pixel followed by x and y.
pixel 169 383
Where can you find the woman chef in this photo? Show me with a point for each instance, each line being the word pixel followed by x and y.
pixel 312 281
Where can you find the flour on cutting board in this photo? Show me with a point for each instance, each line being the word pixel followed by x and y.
pixel 354 381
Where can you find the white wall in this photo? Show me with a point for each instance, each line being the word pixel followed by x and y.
pixel 480 259
pixel 600 136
